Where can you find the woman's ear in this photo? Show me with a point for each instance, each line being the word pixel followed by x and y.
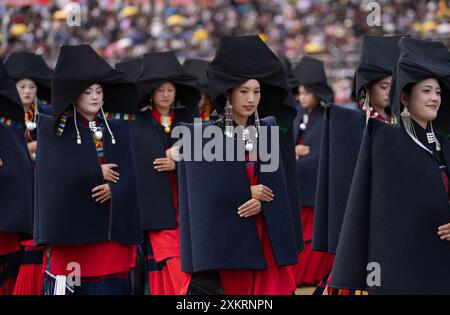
pixel 404 99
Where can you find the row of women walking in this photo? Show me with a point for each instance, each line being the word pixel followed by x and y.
pixel 95 200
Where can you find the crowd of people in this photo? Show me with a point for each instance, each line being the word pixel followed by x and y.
pixel 116 28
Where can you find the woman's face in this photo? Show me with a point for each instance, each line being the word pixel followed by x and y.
pixel 90 101
pixel 424 101
pixel 379 93
pixel 27 91
pixel 307 99
pixel 245 98
pixel 164 96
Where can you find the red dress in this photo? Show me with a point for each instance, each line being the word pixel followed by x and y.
pixel 97 261
pixel 312 266
pixel 165 275
pixel 9 260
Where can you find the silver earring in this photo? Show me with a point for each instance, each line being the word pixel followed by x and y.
pixel 407 122
pixel 229 130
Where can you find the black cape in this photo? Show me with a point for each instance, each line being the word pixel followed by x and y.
pixel 396 204
pixel 16 182
pixel 341 139
pixel 66 173
pixel 213 236
pixel 308 166
pixel 26 65
pixel 155 193
pixel 16 171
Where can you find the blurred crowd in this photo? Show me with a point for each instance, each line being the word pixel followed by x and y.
pixel 330 30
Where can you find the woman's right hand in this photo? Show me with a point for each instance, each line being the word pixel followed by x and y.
pixel 262 193
pixel 301 150
pixel 109 174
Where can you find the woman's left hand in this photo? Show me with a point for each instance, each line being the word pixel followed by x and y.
pixel 250 208
pixel 444 232
pixel 101 193
pixel 164 164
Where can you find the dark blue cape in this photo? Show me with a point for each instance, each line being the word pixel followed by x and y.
pixel 213 236
pixel 308 166
pixel 16 182
pixel 66 172
pixel 155 193
pixel 396 204
pixel 341 139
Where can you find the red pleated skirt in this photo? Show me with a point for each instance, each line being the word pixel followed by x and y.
pixel 164 265
pixel 312 266
pixel 30 280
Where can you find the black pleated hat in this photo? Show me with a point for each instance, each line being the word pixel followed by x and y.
pixel 10 104
pixel 160 67
pixel 242 58
pixel 310 72
pixel 378 58
pixel 131 66
pixel 198 68
pixel 287 65
pixel 26 65
pixel 420 60
pixel 77 68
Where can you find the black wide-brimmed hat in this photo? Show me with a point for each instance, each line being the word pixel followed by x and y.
pixel 310 72
pixel 77 68
pixel 420 60
pixel 26 65
pixel 378 58
pixel 242 58
pixel 10 104
pixel 131 66
pixel 160 67
pixel 198 69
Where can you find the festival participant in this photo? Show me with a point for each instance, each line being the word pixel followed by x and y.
pixel 168 96
pixel 238 236
pixel 16 182
pixel 313 94
pixel 396 220
pixel 87 208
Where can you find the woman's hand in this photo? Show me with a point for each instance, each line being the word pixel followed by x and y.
pixel 32 147
pixel 444 232
pixel 250 208
pixel 164 164
pixel 173 153
pixel 262 193
pixel 101 193
pixel 109 174
pixel 301 150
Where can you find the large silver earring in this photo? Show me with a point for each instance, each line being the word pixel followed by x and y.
pixel 257 123
pixel 366 106
pixel 407 122
pixel 229 130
